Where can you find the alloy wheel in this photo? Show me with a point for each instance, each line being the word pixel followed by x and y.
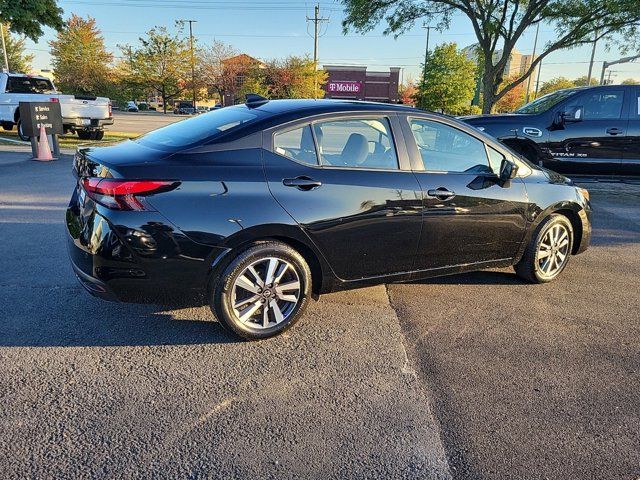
pixel 553 251
pixel 266 293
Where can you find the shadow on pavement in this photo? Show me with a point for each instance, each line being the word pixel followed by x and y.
pixel 70 317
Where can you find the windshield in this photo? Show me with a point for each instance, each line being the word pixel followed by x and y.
pixel 544 103
pixel 197 129
pixel 29 85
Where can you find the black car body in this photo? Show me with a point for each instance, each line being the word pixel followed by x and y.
pixel 343 184
pixel 577 131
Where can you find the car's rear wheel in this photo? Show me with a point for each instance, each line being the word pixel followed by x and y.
pixel 262 292
pixel 85 134
pixel 548 252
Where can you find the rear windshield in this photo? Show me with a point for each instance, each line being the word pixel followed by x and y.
pixel 195 130
pixel 543 104
pixel 29 85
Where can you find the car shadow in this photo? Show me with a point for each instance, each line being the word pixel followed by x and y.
pixel 70 317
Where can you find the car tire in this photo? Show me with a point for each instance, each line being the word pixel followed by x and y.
pixel 97 135
pixel 85 135
pixel 22 136
pixel 262 292
pixel 549 251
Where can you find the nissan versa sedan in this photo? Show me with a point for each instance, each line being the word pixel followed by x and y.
pixel 260 207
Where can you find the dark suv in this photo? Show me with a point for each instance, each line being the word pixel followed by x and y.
pixel 577 131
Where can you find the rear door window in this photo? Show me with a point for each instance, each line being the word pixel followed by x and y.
pixel 296 144
pixel 356 143
pixel 29 85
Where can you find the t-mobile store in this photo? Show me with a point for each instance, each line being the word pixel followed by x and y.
pixel 357 83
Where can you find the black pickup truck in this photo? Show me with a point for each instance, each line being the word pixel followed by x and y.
pixel 577 131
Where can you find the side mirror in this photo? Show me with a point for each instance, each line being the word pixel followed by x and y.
pixel 572 114
pixel 508 170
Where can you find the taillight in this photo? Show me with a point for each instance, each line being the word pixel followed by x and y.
pixel 54 99
pixel 125 194
pixel 110 110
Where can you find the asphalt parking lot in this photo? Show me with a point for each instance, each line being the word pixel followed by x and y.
pixel 141 122
pixel 471 376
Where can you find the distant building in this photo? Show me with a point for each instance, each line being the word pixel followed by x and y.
pixel 517 65
pixel 357 83
pixel 234 73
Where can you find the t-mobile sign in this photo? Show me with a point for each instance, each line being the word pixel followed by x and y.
pixel 344 87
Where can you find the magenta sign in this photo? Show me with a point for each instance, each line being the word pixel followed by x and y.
pixel 344 87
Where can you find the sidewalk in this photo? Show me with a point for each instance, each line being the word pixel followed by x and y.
pixel 11 154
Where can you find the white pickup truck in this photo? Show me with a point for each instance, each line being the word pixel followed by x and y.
pixel 85 115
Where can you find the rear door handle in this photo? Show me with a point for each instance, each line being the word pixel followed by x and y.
pixel 441 193
pixel 302 183
pixel 614 131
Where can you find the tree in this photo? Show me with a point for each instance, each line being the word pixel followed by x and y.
pixel 81 63
pixel 554 84
pixel 408 92
pixel 27 16
pixel 584 81
pixel 18 61
pixel 449 81
pixel 216 69
pixel 294 77
pixel 631 81
pixel 161 64
pixel 513 99
pixel 501 23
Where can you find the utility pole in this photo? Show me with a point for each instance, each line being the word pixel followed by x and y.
pixel 533 59
pixel 593 54
pixel 193 61
pixel 4 48
pixel 317 20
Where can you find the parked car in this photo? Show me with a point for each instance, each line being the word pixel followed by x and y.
pixel 84 114
pixel 215 107
pixel 184 108
pixel 577 131
pixel 260 207
pixel 201 109
pixel 132 107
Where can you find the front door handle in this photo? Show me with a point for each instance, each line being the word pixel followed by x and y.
pixel 441 193
pixel 614 131
pixel 302 183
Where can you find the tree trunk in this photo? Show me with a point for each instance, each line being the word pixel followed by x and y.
pixel 489 89
pixel 163 94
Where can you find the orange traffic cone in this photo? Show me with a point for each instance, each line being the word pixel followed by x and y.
pixel 44 151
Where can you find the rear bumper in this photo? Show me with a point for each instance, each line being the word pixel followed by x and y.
pixel 87 123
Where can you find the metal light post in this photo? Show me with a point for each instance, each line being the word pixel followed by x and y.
pixel 4 47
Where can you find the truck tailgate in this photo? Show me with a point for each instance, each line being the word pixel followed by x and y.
pixel 84 107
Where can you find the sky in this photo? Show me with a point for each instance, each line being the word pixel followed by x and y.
pixel 268 29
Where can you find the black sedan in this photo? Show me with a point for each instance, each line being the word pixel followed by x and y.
pixel 262 206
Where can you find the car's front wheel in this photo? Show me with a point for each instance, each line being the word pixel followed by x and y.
pixel 548 252
pixel 262 292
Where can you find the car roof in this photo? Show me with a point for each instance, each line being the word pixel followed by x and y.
pixel 311 106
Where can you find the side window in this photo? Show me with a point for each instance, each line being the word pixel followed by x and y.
pixel 447 149
pixel 296 144
pixel 495 159
pixel 637 103
pixel 364 143
pixel 603 105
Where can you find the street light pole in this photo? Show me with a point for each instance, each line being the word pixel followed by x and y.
pixel 533 59
pixel 593 54
pixel 4 47
pixel 426 56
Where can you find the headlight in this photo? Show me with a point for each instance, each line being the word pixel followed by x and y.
pixel 585 193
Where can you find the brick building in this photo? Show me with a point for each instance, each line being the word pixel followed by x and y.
pixel 351 82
